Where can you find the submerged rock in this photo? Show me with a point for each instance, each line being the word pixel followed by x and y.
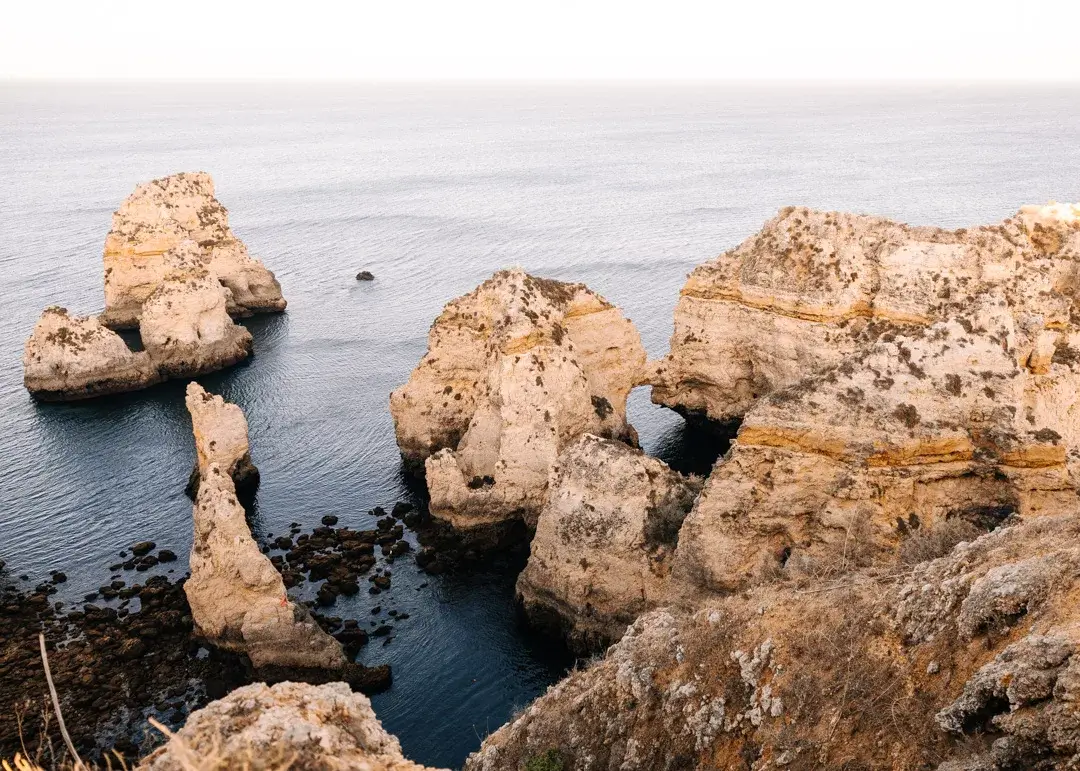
pixel 75 357
pixel 514 371
pixel 289 724
pixel 221 438
pixel 604 541
pixel 158 217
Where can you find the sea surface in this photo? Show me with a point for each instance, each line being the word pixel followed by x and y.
pixel 432 188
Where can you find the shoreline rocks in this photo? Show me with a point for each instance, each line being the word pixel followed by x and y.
pixel 75 357
pixel 156 218
pixel 514 371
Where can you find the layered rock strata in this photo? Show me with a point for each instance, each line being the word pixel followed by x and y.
pixel 514 371
pixel 968 661
pixel 221 439
pixel 75 357
pixel 238 600
pixel 158 217
pixel 604 541
pixel 288 725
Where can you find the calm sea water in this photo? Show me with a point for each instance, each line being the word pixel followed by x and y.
pixel 431 188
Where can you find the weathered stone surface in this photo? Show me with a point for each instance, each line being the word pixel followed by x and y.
pixel 221 438
pixel 287 725
pixel 514 371
pixel 602 551
pixel 185 325
pixel 156 218
pixel 876 671
pixel 75 357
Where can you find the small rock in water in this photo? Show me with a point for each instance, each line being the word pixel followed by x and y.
pixel 329 520
pixel 142 548
pixel 165 555
pixel 365 275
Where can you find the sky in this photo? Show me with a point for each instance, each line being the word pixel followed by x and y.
pixel 549 40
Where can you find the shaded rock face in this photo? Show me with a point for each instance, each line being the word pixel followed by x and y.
pixel 238 600
pixel 74 357
pixel 289 724
pixel 967 661
pixel 157 218
pixel 604 541
pixel 514 371
pixel 900 377
pixel 221 438
pixel 185 325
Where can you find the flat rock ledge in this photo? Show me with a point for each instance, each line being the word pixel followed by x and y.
pixel 238 599
pixel 158 217
pixel 514 371
pixel 286 725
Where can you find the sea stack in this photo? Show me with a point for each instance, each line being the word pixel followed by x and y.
pixel 75 357
pixel 514 371
pixel 221 438
pixel 158 217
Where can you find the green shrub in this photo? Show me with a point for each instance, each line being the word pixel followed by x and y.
pixel 552 760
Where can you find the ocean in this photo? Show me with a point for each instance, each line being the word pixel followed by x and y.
pixel 432 188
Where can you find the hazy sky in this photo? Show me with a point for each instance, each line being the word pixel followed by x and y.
pixel 425 39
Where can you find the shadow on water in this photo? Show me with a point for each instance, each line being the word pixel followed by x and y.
pixel 693 446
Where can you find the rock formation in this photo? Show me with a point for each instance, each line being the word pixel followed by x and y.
pixel 964 662
pixel 75 357
pixel 604 541
pixel 238 600
pixel 288 725
pixel 158 217
pixel 514 371
pixel 221 438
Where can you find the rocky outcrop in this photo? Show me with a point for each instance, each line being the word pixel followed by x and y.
pixel 221 439
pixel 185 326
pixel 967 661
pixel 604 541
pixel 157 218
pixel 514 371
pixel 288 725
pixel 238 600
pixel 75 357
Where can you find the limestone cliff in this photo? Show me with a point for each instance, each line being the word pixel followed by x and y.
pixel 74 357
pixel 514 371
pixel 185 324
pixel 964 662
pixel 604 540
pixel 221 438
pixel 156 218
pixel 289 725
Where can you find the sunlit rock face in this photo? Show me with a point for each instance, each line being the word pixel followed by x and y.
pixel 157 218
pixel 75 357
pixel 514 371
pixel 604 540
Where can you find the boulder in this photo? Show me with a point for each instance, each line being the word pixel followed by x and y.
pixel 157 218
pixel 185 325
pixel 514 371
pixel 604 541
pixel 286 725
pixel 75 357
pixel 221 438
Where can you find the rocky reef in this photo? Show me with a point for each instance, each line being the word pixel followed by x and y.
pixel 514 371
pixel 967 661
pixel 75 357
pixel 158 217
pixel 287 725
pixel 238 599
pixel 602 552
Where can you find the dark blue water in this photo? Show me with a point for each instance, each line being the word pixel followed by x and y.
pixel 432 189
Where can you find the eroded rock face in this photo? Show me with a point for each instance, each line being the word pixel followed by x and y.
pixel 185 325
pixel 74 357
pixel 604 540
pixel 238 600
pixel 221 438
pixel 157 218
pixel 514 371
pixel 289 724
pixel 883 670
